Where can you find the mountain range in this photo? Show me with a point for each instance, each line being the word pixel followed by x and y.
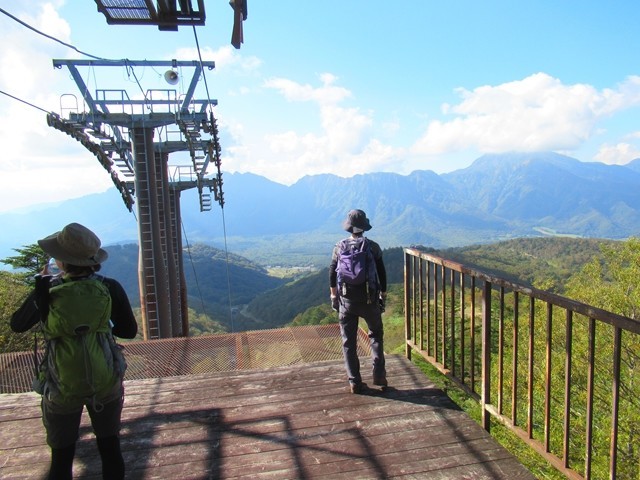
pixel 500 196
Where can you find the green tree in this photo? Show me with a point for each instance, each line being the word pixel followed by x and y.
pixel 13 291
pixel 14 287
pixel 317 315
pixel 202 324
pixel 611 281
pixel 30 261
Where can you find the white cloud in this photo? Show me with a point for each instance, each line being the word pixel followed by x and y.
pixel 327 94
pixel 346 129
pixel 326 131
pixel 38 164
pixel 537 113
pixel 344 145
pixel 534 114
pixel 619 154
pixel 225 58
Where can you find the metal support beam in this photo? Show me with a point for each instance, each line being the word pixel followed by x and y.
pixel 163 295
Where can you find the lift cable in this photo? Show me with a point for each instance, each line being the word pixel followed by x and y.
pixel 195 274
pixel 131 71
pixel 25 102
pixel 224 226
pixel 48 36
pixel 208 98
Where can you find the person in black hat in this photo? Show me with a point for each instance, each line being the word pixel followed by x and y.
pixel 362 299
pixel 78 255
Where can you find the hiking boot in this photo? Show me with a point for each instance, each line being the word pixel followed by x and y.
pixel 356 387
pixel 380 381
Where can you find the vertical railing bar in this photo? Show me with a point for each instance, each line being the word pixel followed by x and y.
pixel 407 303
pixel 567 388
pixel 452 319
pixel 615 402
pixel 462 331
pixel 416 295
pixel 429 344
pixel 443 319
pixel 421 300
pixel 590 388
pixel 532 311
pixel 501 351
pixel 412 298
pixel 472 334
pixel 486 355
pixel 514 382
pixel 547 389
pixel 435 312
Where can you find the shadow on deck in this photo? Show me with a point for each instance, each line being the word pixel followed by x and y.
pixel 296 421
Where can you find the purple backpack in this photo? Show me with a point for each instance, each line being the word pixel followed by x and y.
pixel 356 265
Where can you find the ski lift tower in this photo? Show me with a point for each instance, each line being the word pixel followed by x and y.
pixel 133 139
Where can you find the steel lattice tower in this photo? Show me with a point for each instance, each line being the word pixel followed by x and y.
pixel 132 140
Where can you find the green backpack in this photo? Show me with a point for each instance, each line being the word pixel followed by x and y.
pixel 82 363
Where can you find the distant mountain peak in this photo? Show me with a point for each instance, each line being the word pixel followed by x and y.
pixel 519 158
pixel 499 196
pixel 634 165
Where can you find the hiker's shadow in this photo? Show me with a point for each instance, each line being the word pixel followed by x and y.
pixel 170 442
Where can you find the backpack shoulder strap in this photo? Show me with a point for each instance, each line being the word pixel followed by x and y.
pixel 96 276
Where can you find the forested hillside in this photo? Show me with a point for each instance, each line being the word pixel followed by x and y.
pixel 241 295
pixel 280 306
pixel 215 286
pixel 259 301
pixel 545 263
pixel 542 262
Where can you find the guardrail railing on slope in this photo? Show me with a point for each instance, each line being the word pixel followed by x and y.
pixel 559 373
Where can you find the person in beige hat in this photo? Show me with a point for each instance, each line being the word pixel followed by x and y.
pixel 105 311
pixel 75 245
pixel 359 293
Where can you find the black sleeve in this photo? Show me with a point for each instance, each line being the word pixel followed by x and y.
pixel 333 276
pixel 124 322
pixel 34 308
pixel 27 315
pixel 382 273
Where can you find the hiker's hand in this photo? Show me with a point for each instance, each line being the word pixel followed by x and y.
pixel 335 302
pixel 41 284
pixel 42 294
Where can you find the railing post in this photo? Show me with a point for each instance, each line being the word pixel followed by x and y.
pixel 486 356
pixel 530 383
pixel 615 403
pixel 407 304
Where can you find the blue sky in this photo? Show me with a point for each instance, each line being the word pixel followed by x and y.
pixel 340 87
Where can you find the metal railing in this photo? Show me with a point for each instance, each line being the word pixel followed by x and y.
pixel 558 373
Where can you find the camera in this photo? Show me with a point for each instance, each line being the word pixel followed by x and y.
pixel 52 267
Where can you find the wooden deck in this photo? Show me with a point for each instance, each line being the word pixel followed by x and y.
pixel 296 422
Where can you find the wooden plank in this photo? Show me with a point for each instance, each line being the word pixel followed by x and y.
pixel 284 422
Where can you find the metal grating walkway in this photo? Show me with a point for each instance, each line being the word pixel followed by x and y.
pixel 206 354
